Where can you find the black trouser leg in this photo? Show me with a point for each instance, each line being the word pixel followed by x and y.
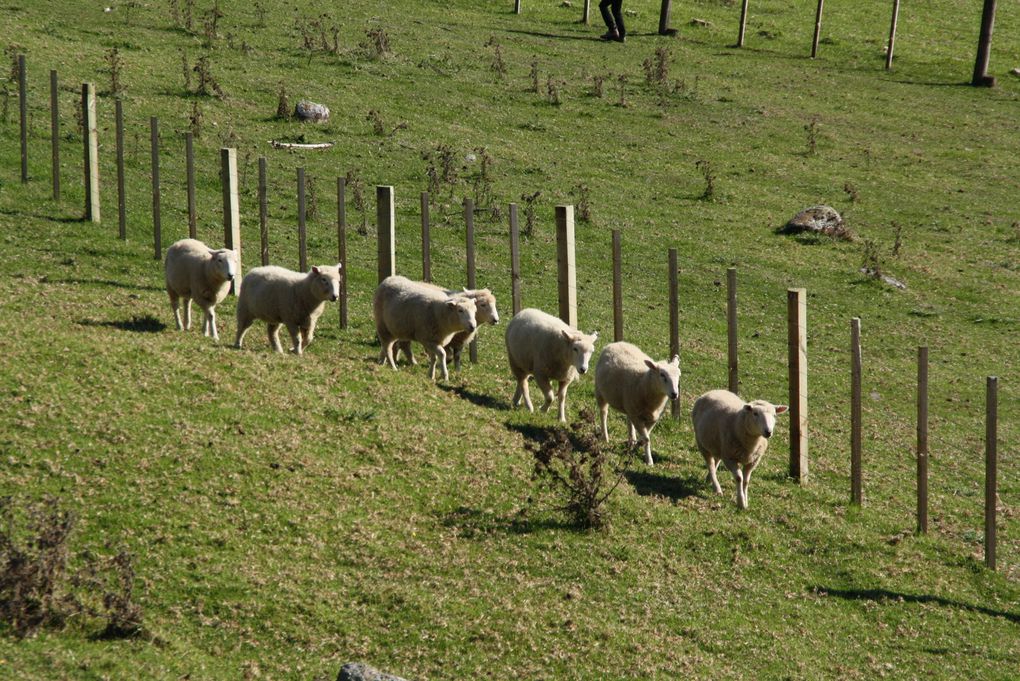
pixel 606 16
pixel 618 15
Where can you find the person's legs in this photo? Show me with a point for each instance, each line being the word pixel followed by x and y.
pixel 618 17
pixel 604 8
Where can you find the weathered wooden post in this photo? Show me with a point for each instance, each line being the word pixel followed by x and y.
pixel 263 211
pixel 617 287
pixel 91 144
pixel 121 189
pixel 922 440
pixel 796 314
pixel 818 29
pixel 302 232
pixel 426 239
pixel 856 482
pixel 674 319
pixel 231 210
pixel 515 260
pixel 23 109
pixel 743 23
pixel 566 264
pixel 892 34
pixel 55 135
pixel 385 219
pixel 157 225
pixel 664 12
pixel 587 11
pixel 517 6
pixel 189 165
pixel 341 243
pixel 469 237
pixel 981 77
pixel 991 473
pixel 733 375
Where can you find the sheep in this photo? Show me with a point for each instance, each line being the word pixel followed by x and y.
pixel 196 272
pixel 627 380
pixel 294 299
pixel 543 346
pixel 486 314
pixel 408 310
pixel 735 432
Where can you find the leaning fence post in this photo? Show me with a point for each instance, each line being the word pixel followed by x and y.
pixel 121 190
pixel 922 440
pixel 469 238
pixel 856 482
pixel 674 320
pixel 426 239
pixel 263 211
pixel 91 145
pixel 566 264
pixel 23 108
pixel 189 166
pixel 664 12
pixel 743 23
pixel 517 6
pixel 818 29
pixel 732 374
pixel 796 309
pixel 385 218
pixel 515 260
pixel 991 473
pixel 341 244
pixel 892 34
pixel 55 134
pixel 157 225
pixel 587 12
pixel 301 222
pixel 231 210
pixel 617 287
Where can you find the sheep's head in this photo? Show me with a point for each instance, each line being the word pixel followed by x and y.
pixel 668 374
pixel 581 347
pixel 486 302
pixel 225 263
pixel 466 311
pixel 326 282
pixel 762 421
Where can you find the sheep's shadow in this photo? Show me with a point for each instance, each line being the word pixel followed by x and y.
pixel 473 523
pixel 880 595
pixel 476 398
pixel 533 433
pixel 104 282
pixel 656 485
pixel 144 324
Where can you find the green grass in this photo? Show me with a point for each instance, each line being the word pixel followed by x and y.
pixel 288 515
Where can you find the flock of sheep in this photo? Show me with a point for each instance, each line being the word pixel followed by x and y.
pixel 443 321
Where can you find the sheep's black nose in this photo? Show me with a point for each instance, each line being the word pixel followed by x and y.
pixel 767 434
pixel 584 370
pixel 333 298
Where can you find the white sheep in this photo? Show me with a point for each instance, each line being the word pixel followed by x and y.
pixel 543 346
pixel 408 310
pixel 196 272
pixel 627 380
pixel 294 299
pixel 486 314
pixel 735 432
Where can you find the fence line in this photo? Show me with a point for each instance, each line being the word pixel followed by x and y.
pixel 922 440
pixel 189 163
pixel 674 319
pixel 796 308
pixel 732 374
pixel 121 189
pixel 157 226
pixel 231 210
pixel 856 482
pixel 91 151
pixel 617 287
pixel 515 258
pixel 263 211
pixel 426 239
pixel 566 264
pixel 302 227
pixel 341 244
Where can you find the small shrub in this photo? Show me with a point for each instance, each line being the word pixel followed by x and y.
pixel 5 105
pixel 260 15
pixel 622 80
pixel 442 166
pixel 534 77
pixel 656 67
pixel 210 24
pixel 357 187
pixel 598 86
pixel 283 111
pixel 377 43
pixel 483 180
pixel 311 198
pixel 582 195
pixel 375 118
pixel 709 175
pixel 529 212
pixel 189 12
pixel 207 84
pixel 498 65
pixel 553 91
pixel 114 66
pixel 195 120
pixel 851 192
pixel 871 260
pixel 898 242
pixel 186 69
pixel 812 135
pixel 12 51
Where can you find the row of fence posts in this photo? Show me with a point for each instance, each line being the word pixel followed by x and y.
pixel 566 287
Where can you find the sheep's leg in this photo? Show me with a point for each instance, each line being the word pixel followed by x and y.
pixel 404 347
pixel 562 396
pixel 712 463
pixel 545 385
pixel 645 436
pixel 273 331
pixel 175 305
pixel 209 323
pixel 187 313
pixel 603 416
pixel 456 358
pixel 438 357
pixel 309 333
pixel 738 477
pixel 295 338
pixel 243 324
pixel 748 469
pixel 631 434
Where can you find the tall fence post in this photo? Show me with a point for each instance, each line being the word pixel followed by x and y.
pixel 231 210
pixel 121 181
pixel 991 473
pixel 922 440
pixel 664 12
pixel 856 481
pixel 743 23
pixel 157 225
pixel 385 218
pixel 91 144
pixel 892 34
pixel 55 134
pixel 302 232
pixel 515 260
pixel 617 287
pixel 517 6
pixel 981 77
pixel 818 29
pixel 341 244
pixel 469 238
pixel 426 239
pixel 263 211
pixel 189 164
pixel 674 319
pixel 23 109
pixel 732 374
pixel 796 315
pixel 566 264
pixel 587 12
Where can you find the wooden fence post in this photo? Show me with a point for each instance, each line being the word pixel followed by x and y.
pixel 981 77
pixel 121 189
pixel 385 218
pixel 922 440
pixel 189 164
pixel 263 211
pixel 426 239
pixel 674 319
pixel 231 210
pixel 796 309
pixel 469 238
pixel 664 12
pixel 818 29
pixel 856 481
pixel 892 35
pixel 91 144
pixel 341 243
pixel 732 374
pixel 55 134
pixel 566 264
pixel 617 287
pixel 515 260
pixel 302 232
pixel 587 11
pixel 991 473
pixel 23 108
pixel 743 23
pixel 157 225
pixel 517 6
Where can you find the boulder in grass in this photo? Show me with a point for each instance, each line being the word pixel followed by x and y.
pixel 312 112
pixel 822 220
pixel 355 671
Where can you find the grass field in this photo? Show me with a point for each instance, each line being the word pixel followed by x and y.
pixel 286 515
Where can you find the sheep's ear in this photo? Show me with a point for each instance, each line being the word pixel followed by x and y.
pixel 315 269
pixel 650 364
pixel 339 266
pixel 675 361
pixel 567 335
pixel 594 336
pixel 748 407
pixel 782 408
pixel 451 303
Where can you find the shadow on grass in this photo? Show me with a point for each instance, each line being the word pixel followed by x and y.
pixel 146 324
pixel 476 398
pixel 879 595
pixel 104 282
pixel 655 485
pixel 472 523
pixel 533 433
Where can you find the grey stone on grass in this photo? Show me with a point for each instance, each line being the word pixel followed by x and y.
pixel 310 111
pixel 356 671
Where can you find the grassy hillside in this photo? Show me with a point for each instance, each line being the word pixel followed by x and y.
pixel 287 515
